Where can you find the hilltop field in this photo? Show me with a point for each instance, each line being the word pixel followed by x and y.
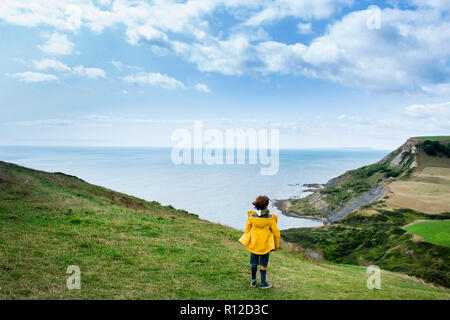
pixel 431 231
pixel 403 226
pixel 128 248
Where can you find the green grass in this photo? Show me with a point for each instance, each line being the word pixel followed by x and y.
pixel 427 161
pixel 434 138
pixel 302 206
pixel 380 239
pixel 437 232
pixel 128 248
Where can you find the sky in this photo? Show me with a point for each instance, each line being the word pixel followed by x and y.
pixel 325 73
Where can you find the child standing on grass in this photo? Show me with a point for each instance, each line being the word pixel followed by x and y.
pixel 261 236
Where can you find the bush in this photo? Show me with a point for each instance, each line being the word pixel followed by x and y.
pixel 429 150
pixel 432 148
pixel 329 251
pixel 371 170
pixel 391 173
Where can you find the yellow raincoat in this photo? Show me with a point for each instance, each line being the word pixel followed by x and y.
pixel 261 235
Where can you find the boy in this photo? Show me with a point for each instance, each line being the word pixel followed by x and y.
pixel 261 236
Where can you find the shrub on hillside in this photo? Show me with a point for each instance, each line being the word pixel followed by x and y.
pixel 429 150
pixel 391 173
pixel 432 148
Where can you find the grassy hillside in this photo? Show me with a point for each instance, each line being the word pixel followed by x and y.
pixel 376 236
pixel 128 248
pixel 434 138
pixel 436 232
pixel 427 190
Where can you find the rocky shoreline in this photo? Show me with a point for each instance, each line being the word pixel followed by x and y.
pixel 374 194
pixel 283 206
pixel 312 187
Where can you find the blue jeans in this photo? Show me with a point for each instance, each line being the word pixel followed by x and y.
pixel 256 259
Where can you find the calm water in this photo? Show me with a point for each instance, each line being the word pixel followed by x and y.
pixel 217 193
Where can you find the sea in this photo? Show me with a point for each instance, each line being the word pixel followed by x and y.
pixel 217 193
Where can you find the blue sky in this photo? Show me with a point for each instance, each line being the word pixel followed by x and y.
pixel 327 73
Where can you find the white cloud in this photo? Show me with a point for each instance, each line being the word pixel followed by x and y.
pixel 202 88
pixel 51 64
pixel 436 4
pixel 437 111
pixel 437 89
pixel 68 15
pixel 155 80
pixel 150 21
pixel 58 66
pixel 304 28
pixel 107 119
pixel 117 64
pixel 304 9
pixel 19 60
pixel 149 34
pixel 47 122
pixel 386 130
pixel 410 52
pixel 393 127
pixel 72 15
pixel 225 56
pixel 92 73
pixel 277 57
pixel 31 77
pixel 407 53
pixel 104 2
pixel 57 44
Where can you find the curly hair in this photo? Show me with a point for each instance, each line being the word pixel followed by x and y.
pixel 261 202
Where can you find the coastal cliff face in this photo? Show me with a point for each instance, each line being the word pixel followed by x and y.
pixel 342 195
pixel 404 154
pixel 368 210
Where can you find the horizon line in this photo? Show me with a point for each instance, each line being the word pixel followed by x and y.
pixel 169 147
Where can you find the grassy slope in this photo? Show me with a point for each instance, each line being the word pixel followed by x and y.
pixel 435 138
pixel 427 190
pixel 375 235
pixel 436 232
pixel 130 248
